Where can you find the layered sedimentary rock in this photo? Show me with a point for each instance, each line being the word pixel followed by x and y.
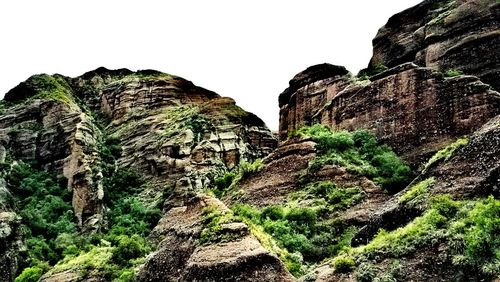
pixel 181 258
pixel 176 135
pixel 59 137
pixel 443 35
pixel 415 110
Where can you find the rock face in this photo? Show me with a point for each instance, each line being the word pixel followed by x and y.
pixel 175 134
pixel 60 138
pixel 181 258
pixel 433 79
pixel 443 35
pixel 415 110
pixel 11 245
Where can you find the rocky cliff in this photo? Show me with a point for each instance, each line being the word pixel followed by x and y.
pixel 443 35
pixel 174 135
pixel 390 175
pixel 416 108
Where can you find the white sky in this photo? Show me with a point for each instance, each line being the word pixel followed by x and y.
pixel 247 50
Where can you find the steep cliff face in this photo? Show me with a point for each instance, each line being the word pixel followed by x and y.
pixel 143 176
pixel 415 110
pixel 444 35
pixel 175 135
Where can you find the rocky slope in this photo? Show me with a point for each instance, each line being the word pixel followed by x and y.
pixel 390 175
pixel 176 135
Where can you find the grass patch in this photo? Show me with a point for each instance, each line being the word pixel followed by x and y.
pixel 417 193
pixel 468 229
pixel 446 153
pixel 343 264
pixel 228 181
pixel 43 86
pixel 180 118
pixel 452 73
pixel 326 197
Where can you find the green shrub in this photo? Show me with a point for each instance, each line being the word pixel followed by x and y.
pixel 273 212
pixel 298 230
pixel 344 264
pixel 30 274
pixel 478 231
pixel 129 216
pixel 336 198
pixel 212 219
pixel 365 272
pixel 444 205
pixel 122 183
pixel 198 124
pixel 246 169
pixel 302 216
pixel 359 153
pixel 222 183
pixel 452 73
pixel 129 248
pixel 127 275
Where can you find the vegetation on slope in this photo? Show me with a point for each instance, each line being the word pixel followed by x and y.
pixel 42 86
pixel 464 230
pixel 305 230
pixel 52 237
pixel 360 153
pixel 446 153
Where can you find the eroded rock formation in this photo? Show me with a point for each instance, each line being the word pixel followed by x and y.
pixel 415 110
pixel 444 35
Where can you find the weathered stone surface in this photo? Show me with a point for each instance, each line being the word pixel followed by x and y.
pixel 11 245
pixel 444 34
pixel 302 99
pixel 59 138
pixel 415 110
pixel 181 258
pixel 280 175
pixel 153 120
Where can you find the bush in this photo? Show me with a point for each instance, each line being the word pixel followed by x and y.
pixel 444 205
pixel 273 213
pixel 222 183
pixel 297 230
pixel 213 218
pixel 129 248
pixel 452 73
pixel 129 216
pixel 478 230
pixel 122 183
pixel 344 264
pixel 30 274
pixel 359 153
pixel 246 169
pixel 365 272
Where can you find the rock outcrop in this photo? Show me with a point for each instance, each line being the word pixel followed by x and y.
pixel 145 155
pixel 444 35
pixel 181 258
pixel 57 135
pixel 415 110
pixel 175 134
pixel 11 245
